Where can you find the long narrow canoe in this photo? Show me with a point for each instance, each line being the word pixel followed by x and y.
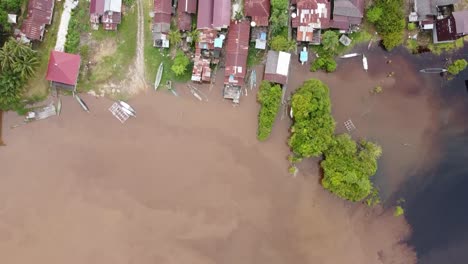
pixel 433 70
pixel 350 55
pixel 364 62
pixel 127 108
pixel 157 82
pixel 82 103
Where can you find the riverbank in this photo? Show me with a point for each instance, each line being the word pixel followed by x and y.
pixel 183 181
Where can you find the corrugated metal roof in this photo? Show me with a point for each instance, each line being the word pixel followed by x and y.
pixel 205 14
pixel 63 67
pixel 277 67
pixel 311 14
pixel 32 30
pixel 349 8
pixel 237 49
pixel 187 6
pixel 221 14
pixel 163 6
pixel 39 14
pixel 184 21
pixel 461 21
pixel 258 10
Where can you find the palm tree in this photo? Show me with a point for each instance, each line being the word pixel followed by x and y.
pixel 174 37
pixel 25 66
pixel 194 35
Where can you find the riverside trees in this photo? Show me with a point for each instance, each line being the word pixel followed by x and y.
pixel 17 64
pixel 269 97
pixel 347 165
pixel 389 19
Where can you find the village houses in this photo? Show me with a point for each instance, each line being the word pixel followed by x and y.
pixel 259 13
pixel 162 13
pixel 105 12
pixel 40 13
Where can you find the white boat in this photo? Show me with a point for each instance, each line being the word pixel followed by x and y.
pixel 127 108
pixel 291 113
pixel 82 103
pixel 364 62
pixel 433 70
pixel 59 106
pixel 350 55
pixel 157 81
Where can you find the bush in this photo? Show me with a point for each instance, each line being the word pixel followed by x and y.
pixel 398 211
pixel 181 62
pixel 269 97
pixel 281 43
pixel 391 23
pixel 392 40
pixel 373 14
pixel 330 42
pixel 313 128
pixel 323 63
pixel 411 26
pixel 279 16
pixel 457 66
pixel 347 168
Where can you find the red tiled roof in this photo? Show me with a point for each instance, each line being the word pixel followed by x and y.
pixel 221 14
pixel 184 21
pixel 205 14
pixel 32 30
pixel 63 67
pixel 187 6
pixel 163 6
pixel 258 10
pixel 237 49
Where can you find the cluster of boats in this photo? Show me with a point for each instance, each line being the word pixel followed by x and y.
pixel 352 55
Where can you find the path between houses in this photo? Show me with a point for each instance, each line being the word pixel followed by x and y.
pixel 63 27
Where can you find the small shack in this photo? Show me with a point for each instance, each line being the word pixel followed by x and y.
pixel 161 23
pixel 107 12
pixel 63 70
pixel 40 13
pixel 277 67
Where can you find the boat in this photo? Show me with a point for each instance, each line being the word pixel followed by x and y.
pixel 291 113
pixel 169 87
pixel 370 44
pixel 41 113
pixel 82 103
pixel 364 62
pixel 253 79
pixel 433 70
pixel 127 108
pixel 59 106
pixel 157 81
pixel 350 55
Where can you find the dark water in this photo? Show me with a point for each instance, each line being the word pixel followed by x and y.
pixel 436 204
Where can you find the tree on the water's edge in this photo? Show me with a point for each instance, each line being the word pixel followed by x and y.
pixel 17 63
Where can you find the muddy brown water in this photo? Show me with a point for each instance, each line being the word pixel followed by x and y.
pixel 188 181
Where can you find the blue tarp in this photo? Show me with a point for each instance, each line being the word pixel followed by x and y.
pixel 263 36
pixel 218 43
pixel 304 56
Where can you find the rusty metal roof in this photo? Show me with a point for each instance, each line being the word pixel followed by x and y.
pixel 163 6
pixel 277 67
pixel 237 49
pixel 221 14
pixel 205 14
pixel 310 15
pixel 187 6
pixel 258 10
pixel 39 14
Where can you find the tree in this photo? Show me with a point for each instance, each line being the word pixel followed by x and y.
pixel 17 63
pixel 398 211
pixel 174 37
pixel 373 14
pixel 391 23
pixel 281 43
pixel 194 35
pixel 330 41
pixel 269 97
pixel 457 66
pixel 313 128
pixel 327 64
pixel 392 40
pixel 279 16
pixel 348 168
pixel 181 62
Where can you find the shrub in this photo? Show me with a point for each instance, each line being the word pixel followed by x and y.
pixel 373 14
pixel 281 43
pixel 330 42
pixel 269 97
pixel 411 26
pixel 313 128
pixel 398 211
pixel 323 63
pixel 181 61
pixel 457 66
pixel 391 23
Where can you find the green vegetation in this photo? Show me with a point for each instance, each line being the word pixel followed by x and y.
pixel 128 3
pixel 373 199
pixel 281 43
pixel 412 45
pixel 313 128
pixel 347 168
pixel 330 42
pixel 181 62
pixel 398 211
pixel 445 47
pixel 8 7
pixel 411 26
pixel 323 63
pixel 377 90
pixel 389 19
pixel 269 97
pixel 279 17
pixel 292 170
pixel 254 56
pixel 457 66
pixel 78 24
pixel 175 38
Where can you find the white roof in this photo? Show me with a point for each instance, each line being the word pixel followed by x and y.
pixel 113 5
pixel 283 63
pixel 12 18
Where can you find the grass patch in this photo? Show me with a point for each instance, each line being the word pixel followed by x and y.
pixel 112 67
pixel 356 37
pixel 446 47
pixel 38 87
pixel 255 56
pixel 412 45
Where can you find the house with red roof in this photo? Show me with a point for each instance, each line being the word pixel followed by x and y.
pixel 277 67
pixel 107 12
pixel 214 14
pixel 347 13
pixel 237 49
pixel 161 23
pixel 309 18
pixel 258 11
pixel 40 13
pixel 63 70
pixel 185 10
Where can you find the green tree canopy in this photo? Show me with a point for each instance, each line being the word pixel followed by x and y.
pixel 457 66
pixel 327 64
pixel 269 97
pixel 313 128
pixel 279 16
pixel 391 23
pixel 181 62
pixel 174 37
pixel 348 167
pixel 281 43
pixel 330 41
pixel 373 14
pixel 17 59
